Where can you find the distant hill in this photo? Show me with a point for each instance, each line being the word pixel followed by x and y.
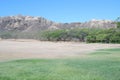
pixel 29 27
pixel 30 23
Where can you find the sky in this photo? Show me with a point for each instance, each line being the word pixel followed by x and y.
pixel 62 10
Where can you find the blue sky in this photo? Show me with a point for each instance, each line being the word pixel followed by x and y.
pixel 63 10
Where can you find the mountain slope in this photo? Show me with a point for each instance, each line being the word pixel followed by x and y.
pixel 29 23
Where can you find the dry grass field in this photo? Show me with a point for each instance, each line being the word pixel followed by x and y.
pixel 23 49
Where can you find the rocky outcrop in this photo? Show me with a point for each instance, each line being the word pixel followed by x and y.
pixel 99 24
pixel 24 23
pixel 29 23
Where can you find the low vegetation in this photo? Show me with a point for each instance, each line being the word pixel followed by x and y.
pixel 83 35
pixel 94 66
pixel 89 35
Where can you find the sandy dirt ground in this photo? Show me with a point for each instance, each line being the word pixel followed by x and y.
pixel 23 49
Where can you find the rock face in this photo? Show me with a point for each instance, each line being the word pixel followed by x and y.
pixel 24 23
pixel 99 24
pixel 29 23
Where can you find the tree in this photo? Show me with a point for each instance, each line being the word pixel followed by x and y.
pixel 91 39
pixel 118 22
pixel 115 38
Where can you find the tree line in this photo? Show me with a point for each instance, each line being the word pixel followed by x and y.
pixel 83 35
pixel 89 35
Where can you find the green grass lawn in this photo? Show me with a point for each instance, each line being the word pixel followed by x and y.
pixel 100 65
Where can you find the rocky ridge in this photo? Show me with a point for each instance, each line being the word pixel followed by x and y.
pixel 30 23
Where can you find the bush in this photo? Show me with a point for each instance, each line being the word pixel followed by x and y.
pixel 6 35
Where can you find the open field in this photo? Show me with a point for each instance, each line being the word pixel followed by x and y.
pixel 95 66
pixel 58 61
pixel 17 49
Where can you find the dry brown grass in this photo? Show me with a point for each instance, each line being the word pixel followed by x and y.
pixel 17 49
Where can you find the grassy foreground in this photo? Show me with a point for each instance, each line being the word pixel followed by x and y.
pixel 100 65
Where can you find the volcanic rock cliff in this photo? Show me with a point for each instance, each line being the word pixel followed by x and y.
pixel 30 23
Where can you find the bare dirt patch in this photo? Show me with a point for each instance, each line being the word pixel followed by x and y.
pixel 17 49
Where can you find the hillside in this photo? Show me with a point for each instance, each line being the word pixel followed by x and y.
pixel 30 23
pixel 39 28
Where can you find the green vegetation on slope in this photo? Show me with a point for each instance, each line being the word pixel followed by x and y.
pixel 90 67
